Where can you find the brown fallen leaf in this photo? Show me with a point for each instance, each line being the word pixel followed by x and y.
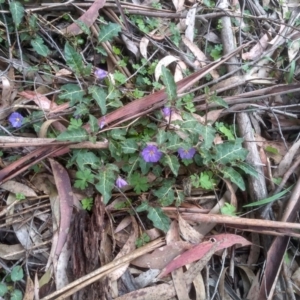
pixel 88 18
pixel 29 293
pixel 197 252
pixel 159 258
pixel 65 193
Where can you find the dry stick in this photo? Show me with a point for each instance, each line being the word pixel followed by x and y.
pixel 92 277
pixel 90 281
pixel 222 219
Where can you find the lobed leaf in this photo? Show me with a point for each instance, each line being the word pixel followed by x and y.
pixel 129 146
pixel 73 59
pixel 107 32
pixel 165 194
pixel 106 183
pixel 159 219
pixel 17 12
pixel 169 83
pixel 73 135
pixel 99 94
pixel 39 46
pixel 93 122
pixel 72 93
pixel 229 152
pixel 87 158
pixel 172 162
pixel 234 176
pixel 248 169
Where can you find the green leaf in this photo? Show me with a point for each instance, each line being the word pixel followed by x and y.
pixel 218 100
pixel 228 210
pixel 139 183
pixel 159 219
pixel 93 122
pixel 169 83
pixel 120 77
pixel 206 180
pixel 99 95
pixel 161 137
pixel 83 178
pixel 72 93
pixel 74 135
pixel 145 167
pixel 208 134
pixel 16 295
pixel 234 177
pixel 172 162
pixel 81 109
pixel 142 240
pixel 87 158
pixel 247 168
pixel 180 198
pixel 17 12
pixel 269 199
pixel 33 21
pixel 174 142
pixel 3 289
pixel 115 149
pixel 132 164
pixel 39 46
pixel 118 134
pixel 165 195
pixel 271 150
pixel 143 207
pixel 16 273
pixel 75 124
pixel 189 123
pixel 73 59
pixel 230 151
pixel 226 131
pixel 129 146
pixel 83 27
pixel 107 32
pixel 106 183
pixel 87 203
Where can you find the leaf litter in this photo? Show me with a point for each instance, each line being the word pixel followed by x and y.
pixel 149 150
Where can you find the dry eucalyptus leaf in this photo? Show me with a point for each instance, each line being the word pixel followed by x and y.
pixel 18 188
pixel 11 252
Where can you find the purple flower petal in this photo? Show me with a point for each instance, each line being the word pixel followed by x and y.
pixel 151 154
pixel 166 111
pixel 186 154
pixel 120 182
pixel 16 119
pixel 102 123
pixel 100 74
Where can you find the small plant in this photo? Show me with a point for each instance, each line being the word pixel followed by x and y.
pixel 142 240
pixel 20 196
pixel 216 52
pixel 7 286
pixel 228 210
pixel 87 203
pixel 144 148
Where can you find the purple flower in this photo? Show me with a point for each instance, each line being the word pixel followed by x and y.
pixel 102 123
pixel 16 119
pixel 120 182
pixel 186 154
pixel 100 74
pixel 166 111
pixel 151 154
